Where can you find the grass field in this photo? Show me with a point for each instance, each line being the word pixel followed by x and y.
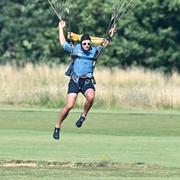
pixel 111 145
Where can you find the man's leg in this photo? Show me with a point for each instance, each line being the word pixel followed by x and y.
pixel 65 111
pixel 89 94
pixel 63 114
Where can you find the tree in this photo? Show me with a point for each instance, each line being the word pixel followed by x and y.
pixel 148 36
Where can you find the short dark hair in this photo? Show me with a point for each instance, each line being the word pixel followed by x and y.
pixel 85 37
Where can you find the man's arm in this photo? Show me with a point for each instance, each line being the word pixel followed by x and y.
pixel 109 39
pixel 66 46
pixel 62 38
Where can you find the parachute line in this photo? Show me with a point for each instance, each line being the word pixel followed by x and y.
pixel 120 9
pixel 60 7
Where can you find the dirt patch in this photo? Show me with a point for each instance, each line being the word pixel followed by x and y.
pixel 103 164
pixel 18 164
pixel 93 165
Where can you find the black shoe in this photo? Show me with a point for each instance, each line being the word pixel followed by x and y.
pixel 56 133
pixel 80 121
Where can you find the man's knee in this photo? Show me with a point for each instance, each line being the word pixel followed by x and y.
pixel 69 106
pixel 90 98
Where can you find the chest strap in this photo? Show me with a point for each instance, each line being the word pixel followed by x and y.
pixel 83 57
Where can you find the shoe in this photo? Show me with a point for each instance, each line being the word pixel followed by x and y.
pixel 56 134
pixel 80 121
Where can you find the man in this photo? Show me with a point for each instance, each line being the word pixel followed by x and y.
pixel 81 76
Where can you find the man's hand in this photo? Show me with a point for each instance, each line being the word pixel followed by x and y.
pixel 62 24
pixel 112 31
pixel 105 43
pixel 111 34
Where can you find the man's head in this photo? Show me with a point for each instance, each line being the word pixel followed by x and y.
pixel 85 42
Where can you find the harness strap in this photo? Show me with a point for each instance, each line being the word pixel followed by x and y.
pixel 73 57
pixel 83 57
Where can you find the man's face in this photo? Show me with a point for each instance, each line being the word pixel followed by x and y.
pixel 86 44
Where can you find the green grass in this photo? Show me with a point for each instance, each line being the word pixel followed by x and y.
pixel 130 145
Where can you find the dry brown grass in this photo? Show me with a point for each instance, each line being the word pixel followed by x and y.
pixel 45 86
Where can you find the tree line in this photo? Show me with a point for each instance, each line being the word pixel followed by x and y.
pixel 148 36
